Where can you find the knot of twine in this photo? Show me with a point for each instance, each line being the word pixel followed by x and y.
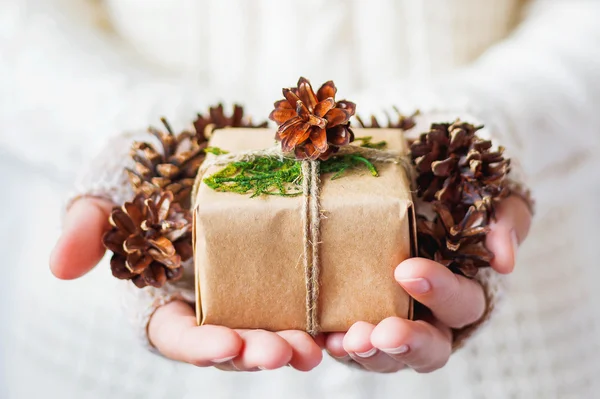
pixel 311 211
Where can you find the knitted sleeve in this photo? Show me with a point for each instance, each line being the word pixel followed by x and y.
pixel 104 177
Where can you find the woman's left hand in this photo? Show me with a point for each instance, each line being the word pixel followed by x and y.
pixel 454 302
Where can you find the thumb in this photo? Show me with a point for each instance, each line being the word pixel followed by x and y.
pixel 508 231
pixel 79 248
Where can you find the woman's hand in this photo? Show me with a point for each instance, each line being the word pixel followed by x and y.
pixel 393 344
pixel 454 302
pixel 172 329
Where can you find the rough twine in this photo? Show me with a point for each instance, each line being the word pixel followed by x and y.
pixel 311 211
pixel 312 266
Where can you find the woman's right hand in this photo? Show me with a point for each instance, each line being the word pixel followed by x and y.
pixel 172 329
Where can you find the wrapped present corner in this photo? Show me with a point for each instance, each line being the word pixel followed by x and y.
pixel 256 262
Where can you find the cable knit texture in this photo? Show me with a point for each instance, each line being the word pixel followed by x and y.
pixel 494 286
pixel 104 176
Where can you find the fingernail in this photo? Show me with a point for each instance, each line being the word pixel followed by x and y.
pixel 416 285
pixel 396 351
pixel 74 213
pixel 262 368
pixel 225 359
pixel 366 354
pixel 515 239
pixel 515 244
pixel 337 357
pixel 340 358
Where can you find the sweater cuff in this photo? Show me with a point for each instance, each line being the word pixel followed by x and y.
pixel 139 305
pixel 104 176
pixel 494 285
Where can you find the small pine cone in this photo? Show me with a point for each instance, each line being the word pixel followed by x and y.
pixel 313 125
pixel 403 122
pixel 216 119
pixel 457 245
pixel 150 238
pixel 173 167
pixel 458 168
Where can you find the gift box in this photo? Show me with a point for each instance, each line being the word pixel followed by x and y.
pixel 250 253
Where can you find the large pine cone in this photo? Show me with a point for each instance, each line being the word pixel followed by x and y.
pixel 455 243
pixel 173 167
pixel 312 125
pixel 458 168
pixel 216 119
pixel 150 238
pixel 463 179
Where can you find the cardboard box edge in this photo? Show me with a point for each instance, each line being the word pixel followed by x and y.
pixel 412 225
pixel 196 271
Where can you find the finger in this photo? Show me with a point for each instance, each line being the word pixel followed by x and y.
pixel 357 343
pixel 174 333
pixel 374 361
pixel 455 300
pixel 513 220
pixel 306 353
pixel 320 340
pixel 79 247
pixel 263 350
pixel 418 344
pixel 334 345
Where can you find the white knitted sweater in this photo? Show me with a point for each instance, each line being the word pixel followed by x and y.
pixel 529 71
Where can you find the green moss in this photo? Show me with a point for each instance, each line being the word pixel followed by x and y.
pixel 272 176
pixel 263 175
pixel 366 142
pixel 340 164
pixel 215 150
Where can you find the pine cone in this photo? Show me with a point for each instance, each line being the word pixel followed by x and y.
pixel 463 179
pixel 403 122
pixel 216 119
pixel 313 125
pixel 173 168
pixel 150 238
pixel 458 168
pixel 456 245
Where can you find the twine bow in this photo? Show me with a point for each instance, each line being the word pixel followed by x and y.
pixel 311 211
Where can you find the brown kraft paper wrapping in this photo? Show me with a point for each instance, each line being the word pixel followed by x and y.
pixel 248 251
